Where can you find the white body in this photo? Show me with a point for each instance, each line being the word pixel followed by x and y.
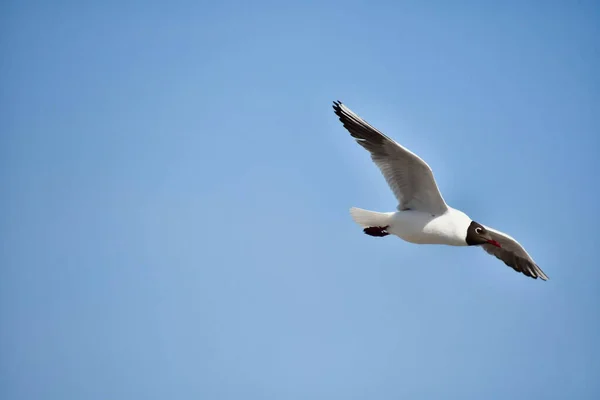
pixel 417 226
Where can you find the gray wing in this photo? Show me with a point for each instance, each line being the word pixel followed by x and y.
pixel 513 255
pixel 409 177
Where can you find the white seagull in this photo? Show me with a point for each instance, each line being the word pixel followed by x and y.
pixel 422 215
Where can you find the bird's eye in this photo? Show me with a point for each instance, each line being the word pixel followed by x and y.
pixel 478 230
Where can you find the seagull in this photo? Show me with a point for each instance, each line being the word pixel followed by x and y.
pixel 422 215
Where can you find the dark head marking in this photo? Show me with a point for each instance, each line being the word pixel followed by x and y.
pixel 478 235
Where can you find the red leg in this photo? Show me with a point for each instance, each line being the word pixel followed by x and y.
pixel 377 231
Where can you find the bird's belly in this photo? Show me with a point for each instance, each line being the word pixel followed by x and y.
pixel 418 227
pixel 417 237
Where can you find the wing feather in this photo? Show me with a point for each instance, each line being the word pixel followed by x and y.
pixel 410 178
pixel 513 255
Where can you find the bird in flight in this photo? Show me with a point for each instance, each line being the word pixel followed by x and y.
pixel 422 215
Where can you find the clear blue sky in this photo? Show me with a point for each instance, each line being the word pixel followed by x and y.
pixel 175 195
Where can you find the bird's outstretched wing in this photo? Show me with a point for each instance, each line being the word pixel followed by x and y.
pixel 409 177
pixel 513 255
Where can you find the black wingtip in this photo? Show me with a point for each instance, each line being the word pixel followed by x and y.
pixel 337 108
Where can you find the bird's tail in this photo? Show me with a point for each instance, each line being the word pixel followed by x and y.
pixel 366 218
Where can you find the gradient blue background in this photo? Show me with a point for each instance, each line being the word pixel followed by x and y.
pixel 175 194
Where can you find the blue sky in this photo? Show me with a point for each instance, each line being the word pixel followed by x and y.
pixel 176 191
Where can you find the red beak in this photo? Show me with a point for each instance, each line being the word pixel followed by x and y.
pixel 493 242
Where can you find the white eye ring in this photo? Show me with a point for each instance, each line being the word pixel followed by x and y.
pixel 478 230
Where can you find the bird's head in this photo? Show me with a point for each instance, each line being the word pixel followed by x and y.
pixel 478 235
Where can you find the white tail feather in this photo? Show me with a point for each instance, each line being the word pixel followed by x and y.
pixel 366 218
